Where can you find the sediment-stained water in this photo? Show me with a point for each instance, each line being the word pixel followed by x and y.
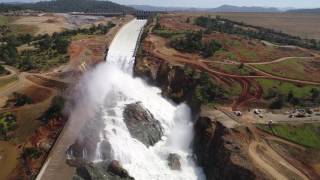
pixel 111 86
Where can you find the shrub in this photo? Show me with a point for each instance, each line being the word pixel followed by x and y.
pixel 207 91
pixel 278 102
pixel 30 152
pixel 55 110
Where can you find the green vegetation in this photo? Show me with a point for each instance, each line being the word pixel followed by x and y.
pixel 304 134
pixel 55 110
pixel 232 27
pixel 234 69
pixel 9 28
pixel 30 153
pixel 168 33
pixel 291 68
pixel 278 102
pixel 192 42
pixel 187 41
pixel 6 81
pixel 207 92
pixel 7 123
pixel 19 99
pixel 3 71
pixel 286 93
pixel 68 6
pixel 5 20
pixel 49 51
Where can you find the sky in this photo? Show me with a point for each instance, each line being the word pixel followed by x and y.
pixel 215 3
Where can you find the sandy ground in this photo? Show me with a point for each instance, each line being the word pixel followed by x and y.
pixel 8 159
pixel 278 117
pixel 90 51
pixel 57 22
pixel 48 23
pixel 219 115
pixel 267 159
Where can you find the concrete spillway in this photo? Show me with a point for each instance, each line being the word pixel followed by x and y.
pixel 110 87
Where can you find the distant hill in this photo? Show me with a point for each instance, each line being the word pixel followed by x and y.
pixel 317 10
pixel 69 6
pixel 228 8
pixel 224 8
pixel 156 8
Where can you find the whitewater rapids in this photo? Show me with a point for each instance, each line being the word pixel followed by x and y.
pixel 111 86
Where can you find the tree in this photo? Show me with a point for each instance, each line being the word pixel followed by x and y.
pixel 315 95
pixel 188 20
pixel 278 103
pixel 2 70
pixel 207 91
pixel 241 65
pixel 290 96
pixel 55 110
pixel 21 99
pixel 44 43
pixel 61 45
pixel 26 63
pixel 30 152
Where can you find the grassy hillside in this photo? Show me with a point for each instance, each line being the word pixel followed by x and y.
pixel 69 6
pixel 304 134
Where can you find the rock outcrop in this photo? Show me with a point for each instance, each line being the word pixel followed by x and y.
pixel 102 170
pixel 83 150
pixel 174 161
pixel 141 124
pixel 221 152
pixel 176 82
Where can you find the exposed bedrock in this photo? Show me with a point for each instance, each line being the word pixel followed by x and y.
pixel 141 124
pixel 107 170
pixel 219 150
pixel 174 161
pixel 174 80
pixel 83 151
pixel 222 151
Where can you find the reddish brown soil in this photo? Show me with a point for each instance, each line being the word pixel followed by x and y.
pixel 90 51
pixel 42 81
pixel 42 137
pixel 245 50
pixel 176 22
pixel 312 69
pixel 37 94
pixel 157 47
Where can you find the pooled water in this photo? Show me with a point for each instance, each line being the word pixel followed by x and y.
pixel 111 86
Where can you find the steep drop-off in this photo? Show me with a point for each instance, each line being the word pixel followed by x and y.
pixel 222 152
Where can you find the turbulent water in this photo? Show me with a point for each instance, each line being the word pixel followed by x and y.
pixel 111 86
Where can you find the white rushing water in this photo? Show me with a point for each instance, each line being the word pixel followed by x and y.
pixel 111 86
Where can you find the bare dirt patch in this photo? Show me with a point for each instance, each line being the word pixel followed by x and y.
pixel 48 23
pixel 42 81
pixel 303 158
pixel 177 22
pixel 8 159
pixel 297 68
pixel 241 49
pixel 36 94
pixel 89 51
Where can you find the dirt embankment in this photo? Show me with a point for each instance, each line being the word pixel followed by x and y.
pixel 228 153
pixel 90 51
pixel 222 152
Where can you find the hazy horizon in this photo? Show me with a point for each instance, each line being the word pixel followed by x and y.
pixel 213 3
